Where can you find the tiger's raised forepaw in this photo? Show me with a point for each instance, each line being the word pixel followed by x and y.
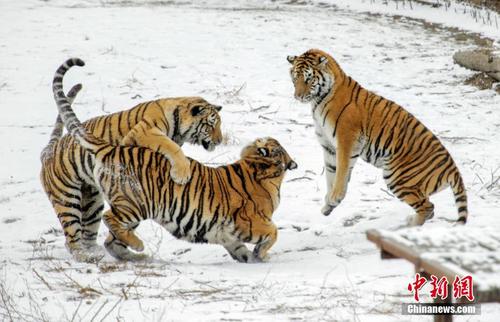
pixel 181 172
pixel 327 209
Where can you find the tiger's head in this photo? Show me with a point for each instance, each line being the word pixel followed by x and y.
pixel 311 75
pixel 269 158
pixel 200 123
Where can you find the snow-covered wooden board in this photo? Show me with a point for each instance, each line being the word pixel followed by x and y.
pixel 448 251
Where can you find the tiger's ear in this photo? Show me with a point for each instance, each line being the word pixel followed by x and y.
pixel 197 110
pixel 263 152
pixel 217 107
pixel 322 61
pixel 291 59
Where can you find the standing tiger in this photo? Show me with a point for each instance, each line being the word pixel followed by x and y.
pixel 351 121
pixel 162 125
pixel 228 205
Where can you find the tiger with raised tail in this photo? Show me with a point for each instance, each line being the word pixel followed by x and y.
pixel 163 125
pixel 228 205
pixel 353 122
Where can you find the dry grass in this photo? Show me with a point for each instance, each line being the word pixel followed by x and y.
pixel 114 285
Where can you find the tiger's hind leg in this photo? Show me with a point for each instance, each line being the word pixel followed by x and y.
pixel 65 195
pixel 121 235
pixel 69 216
pixel 423 207
pixel 424 210
pixel 92 206
pixel 70 219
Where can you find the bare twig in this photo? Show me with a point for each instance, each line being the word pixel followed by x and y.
pixel 263 107
pixel 5 301
pixel 76 311
pixel 300 178
pixel 387 192
pixel 99 310
pixel 111 310
pixel 42 279
pixel 160 295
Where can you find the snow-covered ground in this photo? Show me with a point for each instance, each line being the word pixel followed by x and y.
pixel 232 53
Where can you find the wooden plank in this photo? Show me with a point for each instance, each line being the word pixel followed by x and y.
pixel 392 249
pixel 438 269
pixel 386 255
pixel 399 250
pixel 491 296
pixel 374 236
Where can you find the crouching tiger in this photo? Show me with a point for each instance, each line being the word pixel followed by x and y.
pixel 228 205
pixel 352 121
pixel 162 125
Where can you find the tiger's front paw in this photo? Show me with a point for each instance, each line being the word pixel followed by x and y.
pixel 261 259
pixel 327 209
pixel 137 245
pixel 181 172
pixel 332 200
pixel 259 256
pixel 133 241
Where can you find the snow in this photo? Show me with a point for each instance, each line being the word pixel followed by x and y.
pixel 233 53
pixel 451 14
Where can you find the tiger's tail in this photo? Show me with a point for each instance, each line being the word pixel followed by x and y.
pixel 59 125
pixel 74 126
pixel 458 187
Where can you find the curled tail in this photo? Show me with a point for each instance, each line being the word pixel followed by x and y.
pixel 75 128
pixel 458 187
pixel 59 125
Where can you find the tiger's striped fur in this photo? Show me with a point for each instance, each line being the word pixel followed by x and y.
pixel 353 122
pixel 228 205
pixel 162 125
